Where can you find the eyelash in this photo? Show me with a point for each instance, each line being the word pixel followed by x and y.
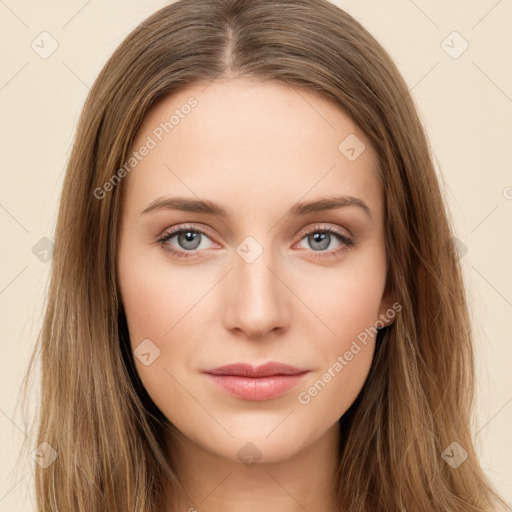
pixel 348 243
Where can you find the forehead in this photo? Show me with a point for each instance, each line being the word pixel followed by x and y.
pixel 246 142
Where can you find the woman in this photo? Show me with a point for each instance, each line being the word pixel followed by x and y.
pixel 313 350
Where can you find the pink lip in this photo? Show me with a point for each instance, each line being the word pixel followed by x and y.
pixel 261 383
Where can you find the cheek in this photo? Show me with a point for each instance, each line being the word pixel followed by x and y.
pixel 346 350
pixel 346 300
pixel 163 311
pixel 157 299
pixel 348 306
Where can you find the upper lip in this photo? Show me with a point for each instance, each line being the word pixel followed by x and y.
pixel 264 370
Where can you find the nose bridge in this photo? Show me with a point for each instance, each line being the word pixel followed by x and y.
pixel 256 298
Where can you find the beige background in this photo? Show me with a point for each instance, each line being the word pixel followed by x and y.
pixel 466 106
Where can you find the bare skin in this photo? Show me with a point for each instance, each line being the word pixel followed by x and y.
pixel 257 149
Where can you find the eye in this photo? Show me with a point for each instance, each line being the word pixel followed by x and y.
pixel 319 238
pixel 188 238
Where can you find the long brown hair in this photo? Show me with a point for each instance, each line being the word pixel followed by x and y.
pixel 110 438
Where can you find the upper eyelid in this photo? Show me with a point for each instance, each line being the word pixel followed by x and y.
pixel 318 226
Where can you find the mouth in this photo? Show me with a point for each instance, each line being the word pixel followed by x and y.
pixel 256 383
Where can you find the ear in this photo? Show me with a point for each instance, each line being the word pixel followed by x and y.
pixel 388 308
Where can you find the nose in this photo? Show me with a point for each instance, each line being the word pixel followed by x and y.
pixel 257 297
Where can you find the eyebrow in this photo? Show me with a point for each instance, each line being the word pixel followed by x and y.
pixel 212 208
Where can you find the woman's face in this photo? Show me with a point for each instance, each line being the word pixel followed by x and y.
pixel 268 280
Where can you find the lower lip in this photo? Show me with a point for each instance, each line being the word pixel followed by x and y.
pixel 256 388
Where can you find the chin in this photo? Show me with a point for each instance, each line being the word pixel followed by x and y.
pixel 258 443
